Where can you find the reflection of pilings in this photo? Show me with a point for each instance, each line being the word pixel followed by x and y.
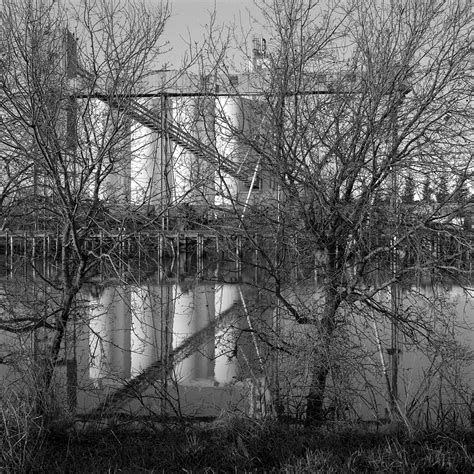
pixel 140 383
pixel 185 246
pixel 32 245
pixel 35 245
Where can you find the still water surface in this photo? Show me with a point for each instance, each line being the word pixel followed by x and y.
pixel 200 347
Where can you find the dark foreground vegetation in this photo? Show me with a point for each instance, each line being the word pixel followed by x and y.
pixel 234 444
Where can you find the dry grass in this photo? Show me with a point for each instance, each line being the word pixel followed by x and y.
pixel 237 444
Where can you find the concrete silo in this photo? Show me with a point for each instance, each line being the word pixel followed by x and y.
pixel 193 172
pixel 236 126
pixel 151 164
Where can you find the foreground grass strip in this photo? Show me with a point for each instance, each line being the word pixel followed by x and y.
pixel 244 445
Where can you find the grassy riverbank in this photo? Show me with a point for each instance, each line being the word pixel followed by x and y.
pixel 238 445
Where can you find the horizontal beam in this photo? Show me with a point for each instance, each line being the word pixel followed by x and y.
pixel 204 94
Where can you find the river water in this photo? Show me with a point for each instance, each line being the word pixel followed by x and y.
pixel 200 347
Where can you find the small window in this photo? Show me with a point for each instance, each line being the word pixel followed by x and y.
pixel 256 184
pixel 234 80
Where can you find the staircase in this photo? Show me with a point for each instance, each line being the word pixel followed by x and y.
pixel 147 117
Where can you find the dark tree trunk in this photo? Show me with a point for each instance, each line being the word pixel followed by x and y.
pixel 315 399
pixel 321 362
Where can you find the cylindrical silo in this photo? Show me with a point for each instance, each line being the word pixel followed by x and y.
pixel 151 163
pixel 235 126
pixel 192 165
pixel 116 169
pixel 229 121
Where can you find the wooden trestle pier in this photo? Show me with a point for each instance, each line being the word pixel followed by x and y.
pixel 40 245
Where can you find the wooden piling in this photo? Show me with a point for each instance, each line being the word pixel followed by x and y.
pixel 6 247
pixel 238 254
pixel 160 249
pixel 200 252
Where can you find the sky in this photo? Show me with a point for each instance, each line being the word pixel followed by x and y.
pixel 189 19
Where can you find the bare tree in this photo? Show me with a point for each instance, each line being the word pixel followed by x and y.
pixel 357 102
pixel 68 108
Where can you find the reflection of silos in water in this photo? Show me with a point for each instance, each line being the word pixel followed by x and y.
pixel 193 311
pixel 148 338
pixel 193 174
pixel 150 164
pixel 110 334
pixel 226 366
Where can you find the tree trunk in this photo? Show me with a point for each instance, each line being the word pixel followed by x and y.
pixel 321 360
pixel 71 283
pixel 315 398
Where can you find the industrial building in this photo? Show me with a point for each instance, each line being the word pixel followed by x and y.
pixel 171 139
pixel 186 139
